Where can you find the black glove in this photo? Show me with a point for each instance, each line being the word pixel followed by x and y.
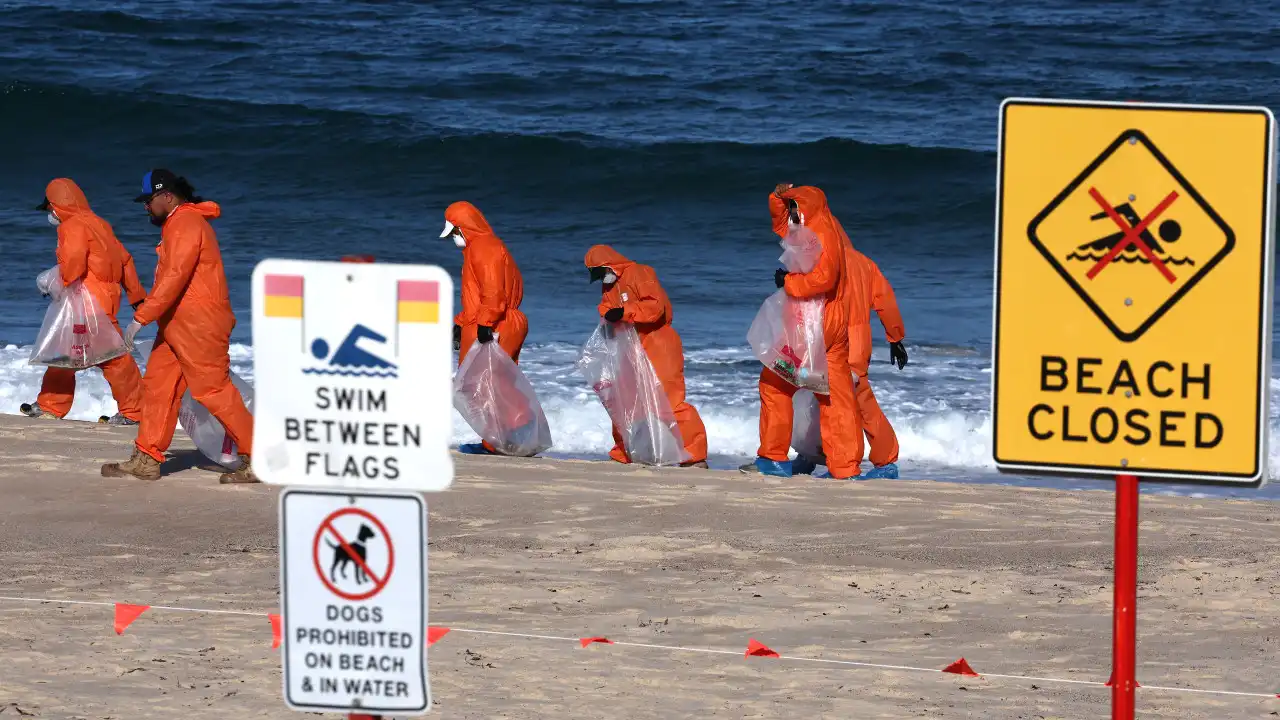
pixel 457 337
pixel 614 314
pixel 136 305
pixel 484 334
pixel 897 355
pixel 780 277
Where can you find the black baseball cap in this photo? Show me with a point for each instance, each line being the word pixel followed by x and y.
pixel 156 181
pixel 44 206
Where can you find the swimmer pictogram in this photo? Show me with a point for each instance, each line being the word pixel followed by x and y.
pixel 351 360
pixel 1131 235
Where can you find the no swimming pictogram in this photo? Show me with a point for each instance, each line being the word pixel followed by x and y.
pixel 359 552
pixel 1152 258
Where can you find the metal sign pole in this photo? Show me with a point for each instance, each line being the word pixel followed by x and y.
pixel 1125 613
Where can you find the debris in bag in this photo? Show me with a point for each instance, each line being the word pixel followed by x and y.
pixel 616 365
pixel 77 333
pixel 787 334
pixel 210 438
pixel 493 395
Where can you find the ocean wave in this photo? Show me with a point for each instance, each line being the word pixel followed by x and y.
pixel 359 149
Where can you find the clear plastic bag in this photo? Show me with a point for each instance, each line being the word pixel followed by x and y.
pixel 615 363
pixel 787 333
pixel 806 431
pixel 207 433
pixel 49 282
pixel 77 333
pixel 498 402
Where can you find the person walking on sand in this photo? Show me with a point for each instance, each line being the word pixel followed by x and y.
pixel 831 280
pixel 89 251
pixel 190 304
pixel 630 292
pixel 492 290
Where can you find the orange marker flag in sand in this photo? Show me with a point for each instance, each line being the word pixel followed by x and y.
pixel 587 641
pixel 126 614
pixel 960 667
pixel 757 649
pixel 434 634
pixel 275 629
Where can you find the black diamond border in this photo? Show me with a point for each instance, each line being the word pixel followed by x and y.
pixel 1191 191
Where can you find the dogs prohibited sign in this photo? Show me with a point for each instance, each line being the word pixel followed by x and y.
pixel 353 581
pixel 354 552
pixel 1134 282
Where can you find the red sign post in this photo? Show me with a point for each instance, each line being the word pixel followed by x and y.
pixel 1124 629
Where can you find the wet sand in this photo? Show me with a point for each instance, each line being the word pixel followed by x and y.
pixel 910 573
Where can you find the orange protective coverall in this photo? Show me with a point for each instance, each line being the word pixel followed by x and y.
pixel 646 306
pixel 838 417
pixel 190 302
pixel 88 250
pixel 492 290
pixel 873 292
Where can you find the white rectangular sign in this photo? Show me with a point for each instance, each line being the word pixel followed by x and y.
pixel 353 375
pixel 353 586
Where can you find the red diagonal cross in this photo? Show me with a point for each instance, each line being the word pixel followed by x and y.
pixel 1132 235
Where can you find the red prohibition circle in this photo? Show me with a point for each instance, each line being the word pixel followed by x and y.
pixel 327 524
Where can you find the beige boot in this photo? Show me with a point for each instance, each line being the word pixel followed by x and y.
pixel 140 465
pixel 242 474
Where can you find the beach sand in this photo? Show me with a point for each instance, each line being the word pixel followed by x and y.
pixel 904 573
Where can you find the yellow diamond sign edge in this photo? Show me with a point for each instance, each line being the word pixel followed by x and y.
pixel 1195 335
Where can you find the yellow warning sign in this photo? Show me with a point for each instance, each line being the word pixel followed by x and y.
pixel 1133 290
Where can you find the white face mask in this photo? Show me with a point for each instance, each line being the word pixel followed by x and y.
pixel 610 278
pixel 53 220
pixel 459 240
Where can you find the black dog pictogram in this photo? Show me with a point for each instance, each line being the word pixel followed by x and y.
pixel 341 559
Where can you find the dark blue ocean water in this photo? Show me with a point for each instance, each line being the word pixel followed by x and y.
pixel 659 127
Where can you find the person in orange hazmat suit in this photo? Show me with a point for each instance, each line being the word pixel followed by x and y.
pixel 492 290
pixel 871 291
pixel 89 251
pixel 838 414
pixel 630 292
pixel 190 304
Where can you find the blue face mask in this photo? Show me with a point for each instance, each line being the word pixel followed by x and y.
pixel 53 220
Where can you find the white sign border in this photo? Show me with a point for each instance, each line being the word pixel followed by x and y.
pixel 285 493
pixel 1260 476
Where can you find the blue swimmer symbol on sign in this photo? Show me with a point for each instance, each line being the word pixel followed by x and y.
pixel 350 360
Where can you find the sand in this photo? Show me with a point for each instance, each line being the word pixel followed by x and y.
pixel 903 573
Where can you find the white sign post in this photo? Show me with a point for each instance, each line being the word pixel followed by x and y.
pixel 354 582
pixel 353 398
pixel 352 379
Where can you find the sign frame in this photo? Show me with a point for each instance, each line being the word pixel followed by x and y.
pixel 352 499
pixel 369 372
pixel 1258 477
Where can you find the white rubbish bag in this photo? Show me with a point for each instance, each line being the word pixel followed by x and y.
pixel 787 333
pixel 806 431
pixel 615 363
pixel 498 402
pixel 207 433
pixel 77 333
pixel 49 282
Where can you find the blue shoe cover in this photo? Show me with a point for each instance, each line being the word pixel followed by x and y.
pixel 768 467
pixel 803 466
pixel 473 449
pixel 888 471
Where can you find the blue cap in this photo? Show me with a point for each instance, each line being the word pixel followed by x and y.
pixel 155 181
